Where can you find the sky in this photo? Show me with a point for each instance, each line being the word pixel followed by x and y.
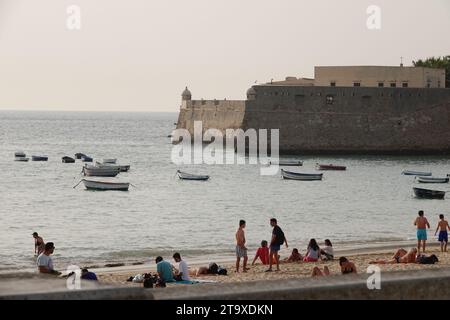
pixel 138 55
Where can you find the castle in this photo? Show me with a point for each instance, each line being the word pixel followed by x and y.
pixel 344 109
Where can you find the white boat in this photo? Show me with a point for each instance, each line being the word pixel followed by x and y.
pixel 121 168
pixel 301 176
pixel 109 161
pixel 105 185
pixel 94 171
pixel 21 159
pixel 286 163
pixel 188 176
pixel 416 173
pixel 432 180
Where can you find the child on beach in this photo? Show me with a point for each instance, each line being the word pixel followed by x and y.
pixel 313 252
pixel 262 253
pixel 295 256
pixel 443 235
pixel 422 223
pixel 327 251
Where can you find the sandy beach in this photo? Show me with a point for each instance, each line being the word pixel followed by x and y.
pixel 118 277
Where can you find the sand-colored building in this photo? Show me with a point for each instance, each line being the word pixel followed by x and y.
pixel 379 76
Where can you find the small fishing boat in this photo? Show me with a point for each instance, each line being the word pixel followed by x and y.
pixel 68 160
pixel 21 159
pixel 416 173
pixel 79 155
pixel 432 180
pixel 428 194
pixel 94 171
pixel 39 158
pixel 330 167
pixel 287 163
pixel 188 176
pixel 86 159
pixel 122 168
pixel 109 161
pixel 104 185
pixel 301 176
pixel 19 154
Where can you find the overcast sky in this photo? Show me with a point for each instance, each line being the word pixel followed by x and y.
pixel 138 55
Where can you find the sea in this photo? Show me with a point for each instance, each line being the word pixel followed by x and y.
pixel 370 204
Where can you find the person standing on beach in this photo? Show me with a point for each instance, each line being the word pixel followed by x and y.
pixel 39 244
pixel 443 235
pixel 278 238
pixel 421 223
pixel 241 250
pixel 45 262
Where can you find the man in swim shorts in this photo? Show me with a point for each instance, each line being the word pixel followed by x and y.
pixel 421 223
pixel 443 235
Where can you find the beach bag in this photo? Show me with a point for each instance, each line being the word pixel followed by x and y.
pixel 148 280
pixel 139 278
pixel 428 260
pixel 222 271
pixel 280 238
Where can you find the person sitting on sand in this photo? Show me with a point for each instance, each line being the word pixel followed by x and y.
pixel 39 244
pixel 45 262
pixel 87 275
pixel 347 267
pixel 312 252
pixel 443 235
pixel 183 269
pixel 164 270
pixel 295 256
pixel 327 251
pixel 262 253
pixel 401 256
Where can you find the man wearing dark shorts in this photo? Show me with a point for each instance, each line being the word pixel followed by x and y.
pixel 278 239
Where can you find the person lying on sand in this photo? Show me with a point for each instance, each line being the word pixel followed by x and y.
pixel 401 256
pixel 347 267
pixel 294 257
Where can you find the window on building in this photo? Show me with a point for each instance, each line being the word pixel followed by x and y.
pixel 357 84
pixel 405 84
pixel 439 83
pixel 393 85
pixel 380 84
pixel 330 99
pixel 332 84
pixel 428 85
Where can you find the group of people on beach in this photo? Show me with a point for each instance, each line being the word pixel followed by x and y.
pixel 268 254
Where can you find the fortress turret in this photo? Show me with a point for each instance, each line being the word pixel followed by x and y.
pixel 186 95
pixel 251 94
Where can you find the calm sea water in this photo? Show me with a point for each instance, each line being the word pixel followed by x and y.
pixel 369 204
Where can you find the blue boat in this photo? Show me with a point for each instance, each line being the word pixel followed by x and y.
pixel 39 158
pixel 85 158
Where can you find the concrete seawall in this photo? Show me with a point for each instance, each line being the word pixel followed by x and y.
pixel 424 284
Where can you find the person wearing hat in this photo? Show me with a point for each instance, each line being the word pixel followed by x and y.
pixel 39 244
pixel 45 262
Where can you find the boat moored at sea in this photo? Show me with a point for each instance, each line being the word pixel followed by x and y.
pixel 94 171
pixel 432 179
pixel 289 175
pixel 287 163
pixel 78 156
pixel 21 159
pixel 189 176
pixel 109 161
pixel 67 159
pixel 105 185
pixel 86 158
pixel 39 158
pixel 330 167
pixel 416 173
pixel 428 194
pixel 122 168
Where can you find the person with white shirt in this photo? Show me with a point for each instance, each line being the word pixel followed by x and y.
pixel 44 261
pixel 327 251
pixel 183 269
